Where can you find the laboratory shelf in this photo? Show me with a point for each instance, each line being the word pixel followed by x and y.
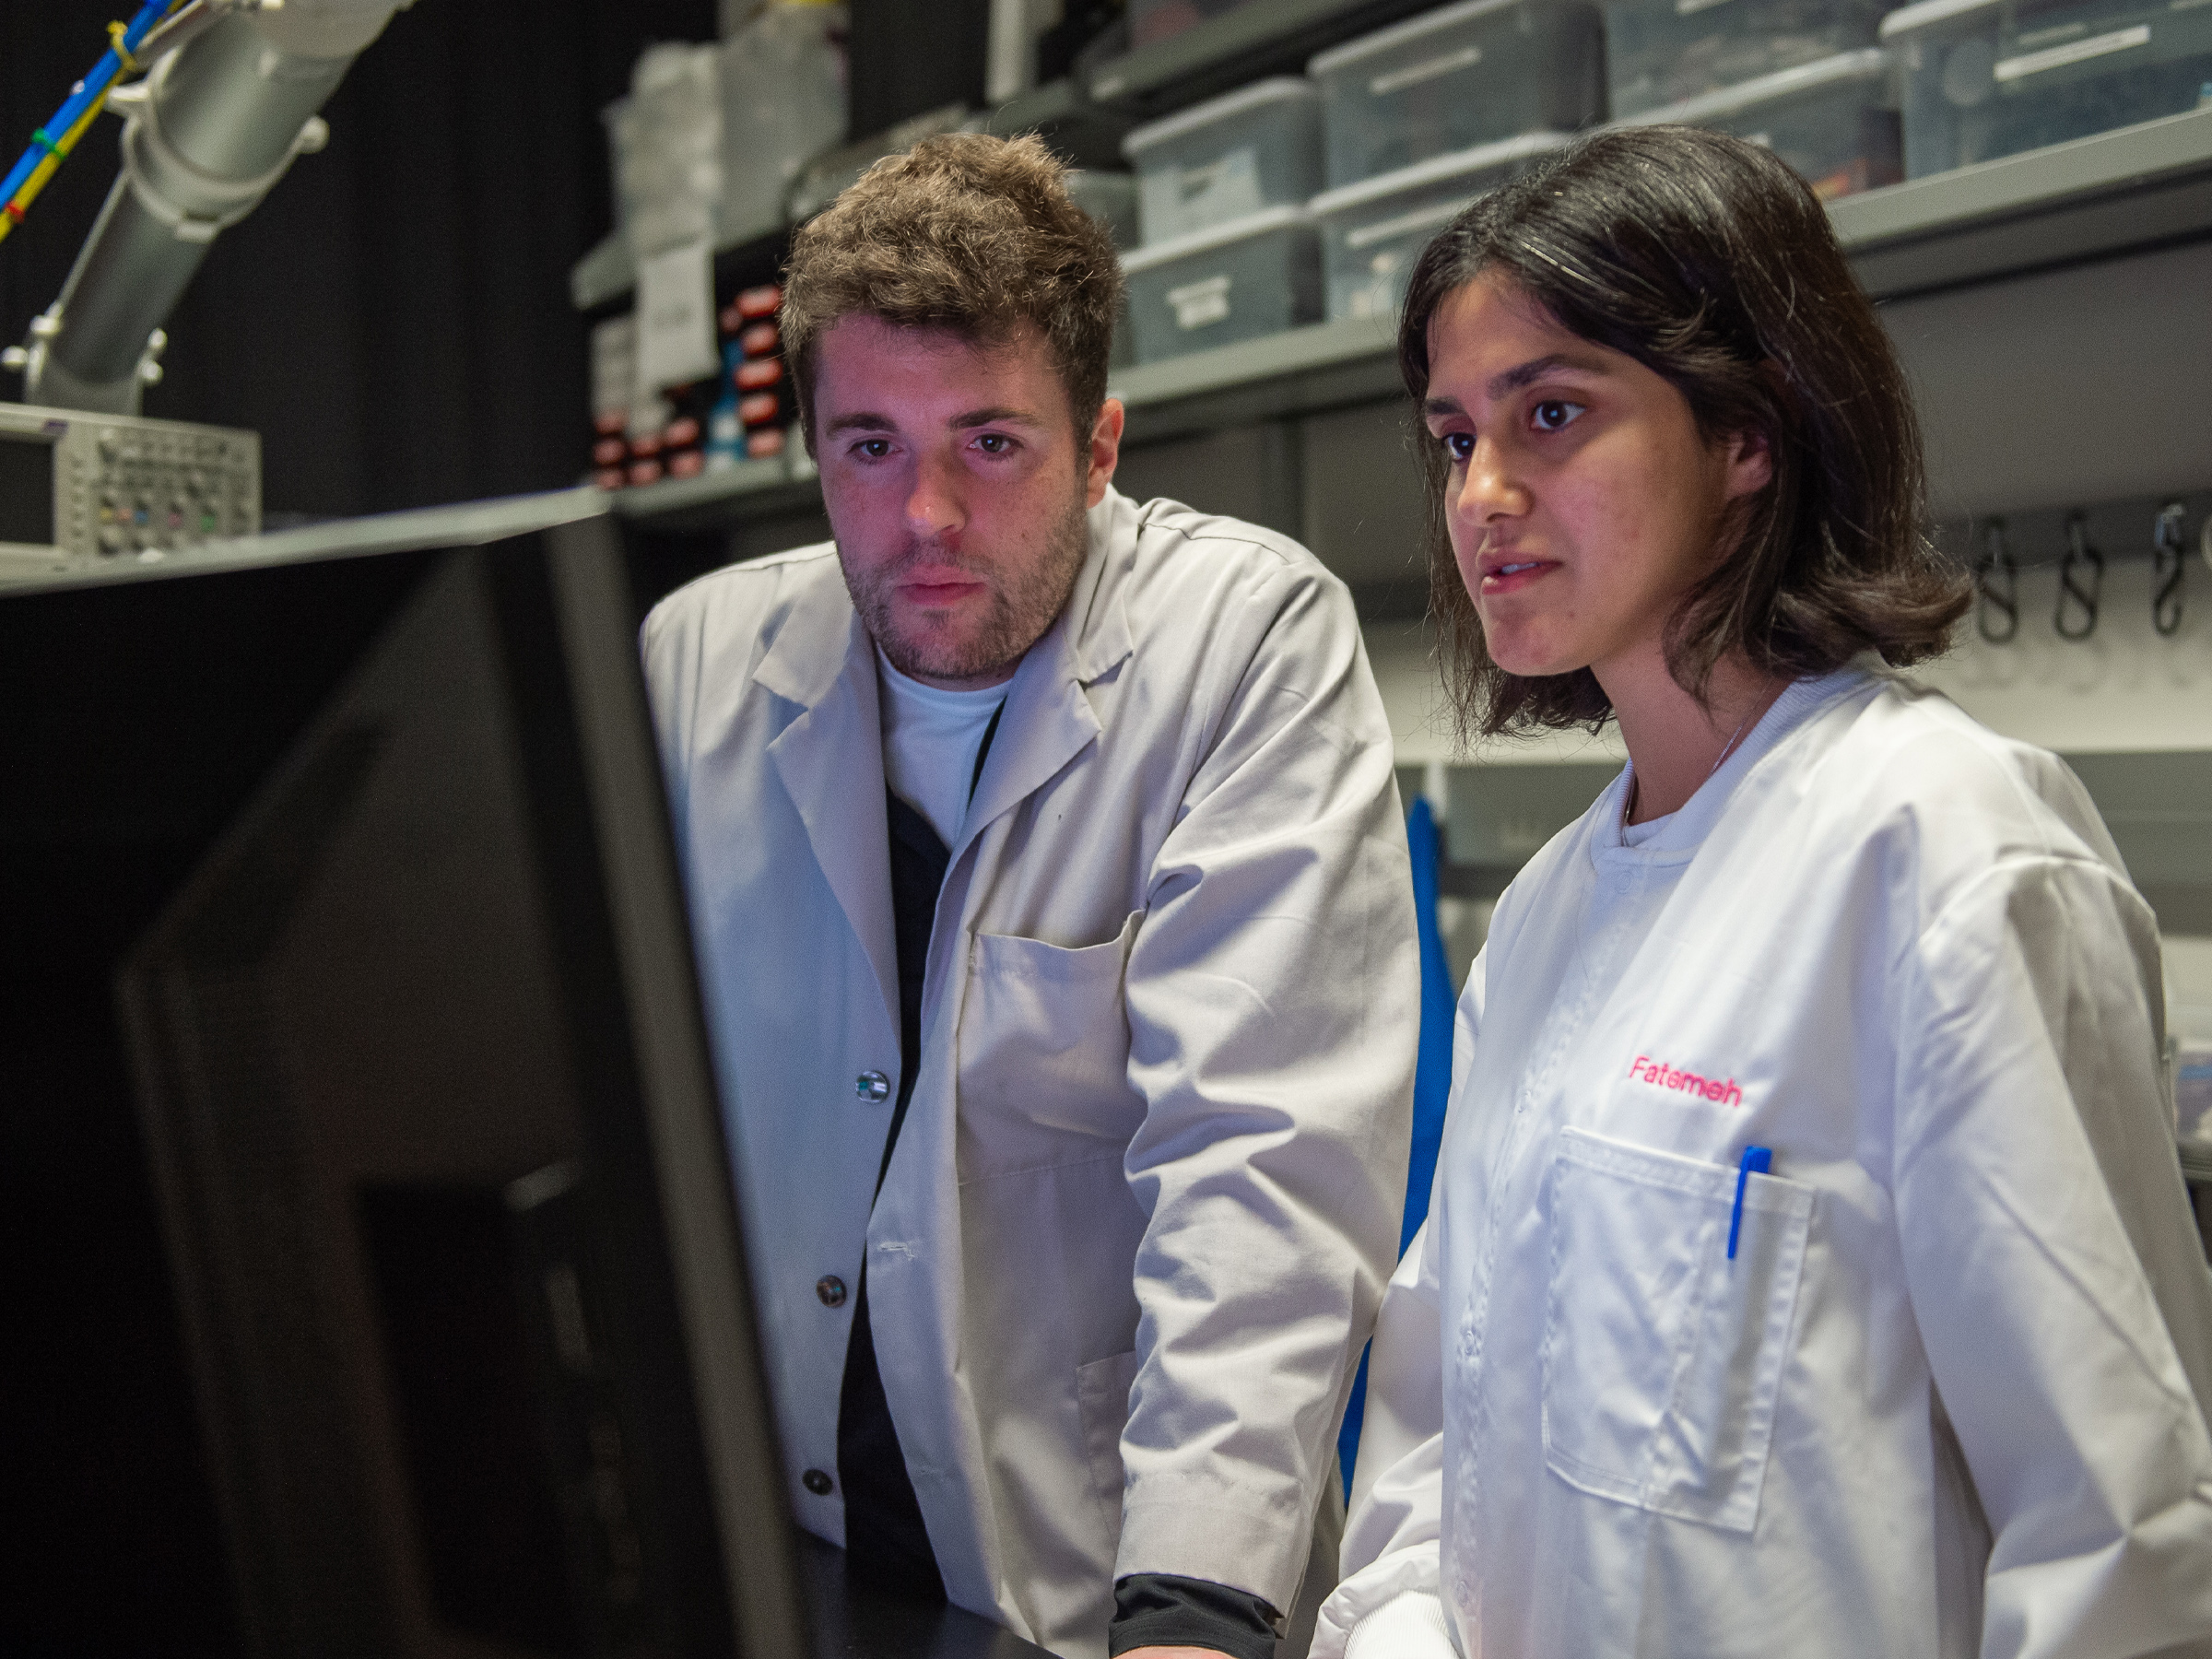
pixel 459 524
pixel 1322 366
pixel 747 489
pixel 2137 188
pixel 607 273
pixel 1266 37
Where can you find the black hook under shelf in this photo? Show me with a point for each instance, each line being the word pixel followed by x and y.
pixel 1996 587
pixel 2078 555
pixel 2168 568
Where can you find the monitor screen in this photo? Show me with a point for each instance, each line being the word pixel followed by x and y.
pixel 344 887
pixel 26 490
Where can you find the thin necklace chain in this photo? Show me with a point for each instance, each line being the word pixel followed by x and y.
pixel 1628 812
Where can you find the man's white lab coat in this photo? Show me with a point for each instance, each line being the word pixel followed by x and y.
pixel 1160 1136
pixel 1948 1396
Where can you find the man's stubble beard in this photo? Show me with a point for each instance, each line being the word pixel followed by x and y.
pixel 1020 611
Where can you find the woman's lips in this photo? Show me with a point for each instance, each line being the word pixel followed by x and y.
pixel 1510 575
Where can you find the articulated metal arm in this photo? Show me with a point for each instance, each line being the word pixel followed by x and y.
pixel 208 134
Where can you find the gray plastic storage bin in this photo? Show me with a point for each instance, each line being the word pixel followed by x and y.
pixel 1260 147
pixel 1661 51
pixel 1992 77
pixel 1257 276
pixel 1835 121
pixel 1372 232
pixel 1453 79
pixel 1109 197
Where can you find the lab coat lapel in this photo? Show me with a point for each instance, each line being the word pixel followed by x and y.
pixel 1048 719
pixel 830 762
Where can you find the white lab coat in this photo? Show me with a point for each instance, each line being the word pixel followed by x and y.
pixel 1160 1133
pixel 1949 1397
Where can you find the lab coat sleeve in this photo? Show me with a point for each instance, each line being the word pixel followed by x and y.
pixel 1389 1603
pixel 2053 1272
pixel 670 646
pixel 1273 994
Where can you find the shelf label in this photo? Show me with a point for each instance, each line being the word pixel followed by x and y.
pixel 2074 51
pixel 676 318
pixel 1197 303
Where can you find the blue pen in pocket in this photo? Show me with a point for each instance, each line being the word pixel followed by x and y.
pixel 1760 1158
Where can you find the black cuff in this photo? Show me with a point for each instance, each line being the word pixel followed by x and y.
pixel 1159 1608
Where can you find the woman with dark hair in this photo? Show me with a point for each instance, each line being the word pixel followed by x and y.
pixel 1810 1271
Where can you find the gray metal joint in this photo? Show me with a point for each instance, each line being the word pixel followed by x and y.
pixel 195 205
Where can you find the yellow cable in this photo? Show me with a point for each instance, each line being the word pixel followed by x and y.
pixel 11 214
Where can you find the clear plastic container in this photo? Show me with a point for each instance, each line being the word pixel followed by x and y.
pixel 1835 121
pixel 1453 79
pixel 666 138
pixel 783 102
pixel 1984 78
pixel 1256 276
pixel 1258 148
pixel 1662 52
pixel 1372 232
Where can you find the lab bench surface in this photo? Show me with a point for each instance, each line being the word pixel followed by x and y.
pixel 854 1622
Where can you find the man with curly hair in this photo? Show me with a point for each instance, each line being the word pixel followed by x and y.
pixel 1058 941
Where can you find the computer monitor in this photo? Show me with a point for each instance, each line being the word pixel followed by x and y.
pixel 353 870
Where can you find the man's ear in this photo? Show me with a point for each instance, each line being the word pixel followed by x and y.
pixel 1105 451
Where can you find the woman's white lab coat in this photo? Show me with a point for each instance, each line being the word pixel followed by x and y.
pixel 1160 1133
pixel 1948 1395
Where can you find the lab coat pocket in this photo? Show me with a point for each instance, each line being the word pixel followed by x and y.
pixel 1044 1053
pixel 1102 1408
pixel 1662 1356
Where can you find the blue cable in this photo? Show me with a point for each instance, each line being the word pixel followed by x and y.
pixel 84 95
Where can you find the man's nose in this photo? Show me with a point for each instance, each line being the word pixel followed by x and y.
pixel 936 506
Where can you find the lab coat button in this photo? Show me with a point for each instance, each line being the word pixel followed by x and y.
pixel 872 1086
pixel 831 1289
pixel 817 1482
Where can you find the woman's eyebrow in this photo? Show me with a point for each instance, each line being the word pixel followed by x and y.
pixel 1535 368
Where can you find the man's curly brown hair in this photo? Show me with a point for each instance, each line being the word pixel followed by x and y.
pixel 966 233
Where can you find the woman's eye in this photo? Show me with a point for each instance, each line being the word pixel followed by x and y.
pixel 1554 413
pixel 1459 446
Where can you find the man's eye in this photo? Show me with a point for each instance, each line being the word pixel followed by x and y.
pixel 995 444
pixel 1554 413
pixel 875 449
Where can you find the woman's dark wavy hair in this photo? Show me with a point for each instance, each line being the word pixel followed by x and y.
pixel 1706 259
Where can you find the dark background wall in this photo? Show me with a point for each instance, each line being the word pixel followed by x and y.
pixel 394 319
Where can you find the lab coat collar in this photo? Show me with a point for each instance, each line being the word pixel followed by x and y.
pixel 1048 719
pixel 1680 839
pixel 829 759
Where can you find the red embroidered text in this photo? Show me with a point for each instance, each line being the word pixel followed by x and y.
pixel 1660 1075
